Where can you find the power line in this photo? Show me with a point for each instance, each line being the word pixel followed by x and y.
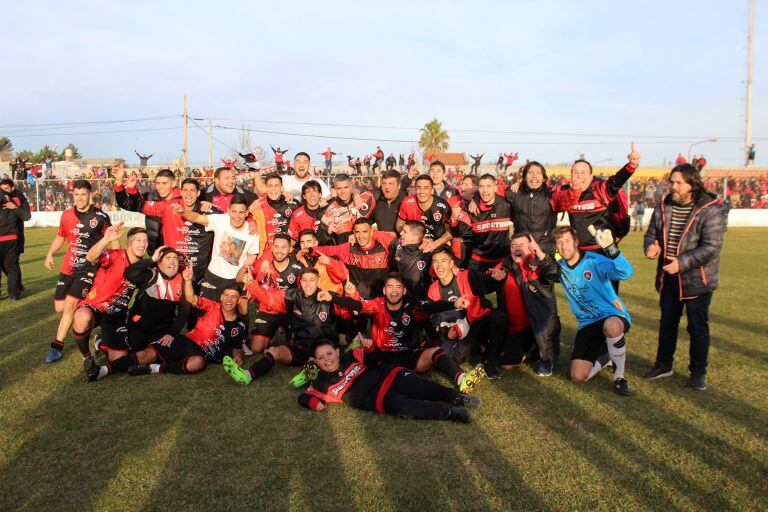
pixel 82 123
pixel 214 137
pixel 478 142
pixel 467 130
pixel 94 133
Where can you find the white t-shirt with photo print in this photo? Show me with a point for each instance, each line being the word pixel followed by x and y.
pixel 230 246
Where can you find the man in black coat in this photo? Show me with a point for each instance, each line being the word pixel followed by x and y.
pixel 686 235
pixel 14 211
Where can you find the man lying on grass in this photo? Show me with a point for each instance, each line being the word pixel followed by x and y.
pixel 352 378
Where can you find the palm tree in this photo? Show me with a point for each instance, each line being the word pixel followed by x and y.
pixel 432 138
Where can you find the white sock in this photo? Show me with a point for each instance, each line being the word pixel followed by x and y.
pixel 617 350
pixel 154 368
pixel 460 379
pixel 103 372
pixel 599 362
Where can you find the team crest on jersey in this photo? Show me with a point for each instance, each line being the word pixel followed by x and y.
pixel 421 265
pixel 436 216
pixel 406 319
pixel 323 316
pixel 287 212
pixel 93 223
pixel 532 288
pixel 587 275
pixel 291 278
pixel 234 332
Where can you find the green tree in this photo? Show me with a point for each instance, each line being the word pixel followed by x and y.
pixel 6 148
pixel 432 138
pixel 44 154
pixel 26 155
pixel 75 152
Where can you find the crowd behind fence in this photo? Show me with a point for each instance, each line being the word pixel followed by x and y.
pixel 53 194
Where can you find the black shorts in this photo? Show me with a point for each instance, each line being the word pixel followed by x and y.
pixel 76 285
pixel 300 353
pixel 406 359
pixel 590 341
pixel 139 339
pixel 515 345
pixel 212 286
pixel 181 348
pixel 267 324
pixel 114 333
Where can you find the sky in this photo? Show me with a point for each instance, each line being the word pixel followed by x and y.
pixel 546 79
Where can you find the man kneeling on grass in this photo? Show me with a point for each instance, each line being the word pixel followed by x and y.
pixel 220 332
pixel 351 378
pixel 602 316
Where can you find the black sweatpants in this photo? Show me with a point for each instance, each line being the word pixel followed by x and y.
pixel 413 396
pixel 9 264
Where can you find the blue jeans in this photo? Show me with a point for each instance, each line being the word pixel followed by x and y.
pixel 697 311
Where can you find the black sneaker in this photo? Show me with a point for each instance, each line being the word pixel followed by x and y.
pixel 139 369
pixel 465 400
pixel 622 387
pixel 459 415
pixel 89 363
pixel 92 373
pixel 545 369
pixel 491 372
pixel 698 382
pixel 658 371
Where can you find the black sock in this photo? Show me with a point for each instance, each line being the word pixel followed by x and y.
pixel 262 366
pixel 446 365
pixel 82 339
pixel 57 344
pixel 177 367
pixel 121 364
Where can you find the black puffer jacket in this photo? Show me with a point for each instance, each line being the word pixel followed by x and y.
pixel 700 244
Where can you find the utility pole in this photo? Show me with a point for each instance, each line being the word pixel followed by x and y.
pixel 750 54
pixel 184 142
pixel 210 143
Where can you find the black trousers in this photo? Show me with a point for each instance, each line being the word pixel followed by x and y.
pixel 489 332
pixel 697 311
pixel 413 396
pixel 9 265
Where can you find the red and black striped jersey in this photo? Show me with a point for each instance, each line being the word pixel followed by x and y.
pixel 111 291
pixel 81 230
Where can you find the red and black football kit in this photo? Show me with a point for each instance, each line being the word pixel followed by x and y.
pixel 108 298
pixel 434 218
pixel 268 321
pixel 310 320
pixel 221 200
pixel 159 308
pixel 386 389
pixel 397 334
pixel 132 200
pixel 304 218
pixel 486 324
pixel 591 208
pixel 413 265
pixel 344 214
pixel 190 240
pixel 212 338
pixel 367 266
pixel 277 216
pixel 81 230
pixel 486 237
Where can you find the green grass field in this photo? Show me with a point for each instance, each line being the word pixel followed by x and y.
pixel 202 443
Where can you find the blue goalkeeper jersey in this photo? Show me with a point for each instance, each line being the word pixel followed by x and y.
pixel 588 287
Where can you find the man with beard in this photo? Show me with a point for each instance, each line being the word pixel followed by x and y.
pixel 528 299
pixel 433 211
pixel 388 199
pixel 397 335
pixel 293 183
pixel 602 317
pixel 224 188
pixel 274 209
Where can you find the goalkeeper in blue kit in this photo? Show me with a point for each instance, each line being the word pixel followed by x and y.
pixel 602 316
